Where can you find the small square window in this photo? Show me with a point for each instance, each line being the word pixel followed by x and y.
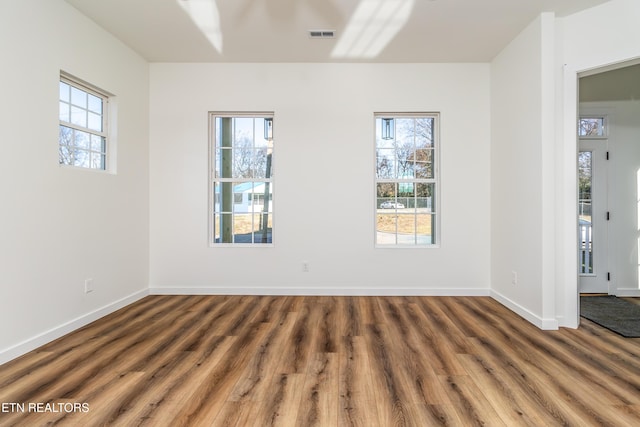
pixel 593 127
pixel 82 139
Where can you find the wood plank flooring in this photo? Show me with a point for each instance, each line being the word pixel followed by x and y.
pixel 324 361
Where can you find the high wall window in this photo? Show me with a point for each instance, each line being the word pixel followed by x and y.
pixel 241 184
pixel 592 127
pixel 83 135
pixel 406 179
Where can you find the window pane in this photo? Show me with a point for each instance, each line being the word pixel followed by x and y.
pixel 264 233
pixel 81 159
pixel 424 227
pixel 97 143
pixel 95 104
pixel 218 163
pixel 405 163
pixel 260 163
pixel 82 140
pixel 64 92
pixel 79 97
pixel 242 160
pixel 65 115
pixel 95 122
pixel 386 163
pixel 266 189
pixel 406 194
pixel 78 116
pixel 224 163
pixel 260 141
pixel 65 155
pixel 216 228
pixel 405 131
pixel 425 197
pixel 66 135
pixel 386 191
pixel 226 228
pixel 242 228
pixel 243 130
pixel 591 126
pixel 406 230
pixel 424 132
pixel 97 161
pixel 424 163
pixel 226 197
pixel 386 229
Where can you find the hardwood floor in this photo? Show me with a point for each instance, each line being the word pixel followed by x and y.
pixel 325 361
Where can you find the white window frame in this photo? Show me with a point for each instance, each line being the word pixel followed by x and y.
pixel 95 136
pixel 213 180
pixel 436 209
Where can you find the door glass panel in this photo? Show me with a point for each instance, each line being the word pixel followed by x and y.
pixel 585 243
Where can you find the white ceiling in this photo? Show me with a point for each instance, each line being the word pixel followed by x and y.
pixel 277 30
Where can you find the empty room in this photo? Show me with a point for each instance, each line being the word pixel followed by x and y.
pixel 320 212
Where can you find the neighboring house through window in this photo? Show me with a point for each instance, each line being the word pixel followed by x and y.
pixel 406 179
pixel 241 184
pixel 83 125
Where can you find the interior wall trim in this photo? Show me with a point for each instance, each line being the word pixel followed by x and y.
pixel 525 313
pixel 321 291
pixel 70 326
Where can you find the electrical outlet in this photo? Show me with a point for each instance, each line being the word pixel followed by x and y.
pixel 514 278
pixel 305 266
pixel 88 285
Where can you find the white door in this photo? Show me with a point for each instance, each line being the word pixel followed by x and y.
pixel 593 242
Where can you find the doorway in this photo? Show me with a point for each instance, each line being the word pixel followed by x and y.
pixel 609 181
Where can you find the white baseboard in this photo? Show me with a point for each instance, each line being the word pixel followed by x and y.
pixel 546 324
pixel 70 326
pixel 628 292
pixel 324 291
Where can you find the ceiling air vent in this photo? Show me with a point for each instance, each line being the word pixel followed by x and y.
pixel 322 34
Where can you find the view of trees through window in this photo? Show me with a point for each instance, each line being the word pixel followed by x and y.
pixel 406 179
pixel 591 126
pixel 242 187
pixel 82 140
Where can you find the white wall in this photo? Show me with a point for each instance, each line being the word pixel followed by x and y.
pixel 597 37
pixel 522 171
pixel 323 157
pixel 58 225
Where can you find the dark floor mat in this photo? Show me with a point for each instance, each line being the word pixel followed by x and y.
pixel 616 314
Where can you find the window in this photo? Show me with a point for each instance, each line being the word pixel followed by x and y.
pixel 83 125
pixel 591 127
pixel 241 184
pixel 406 179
